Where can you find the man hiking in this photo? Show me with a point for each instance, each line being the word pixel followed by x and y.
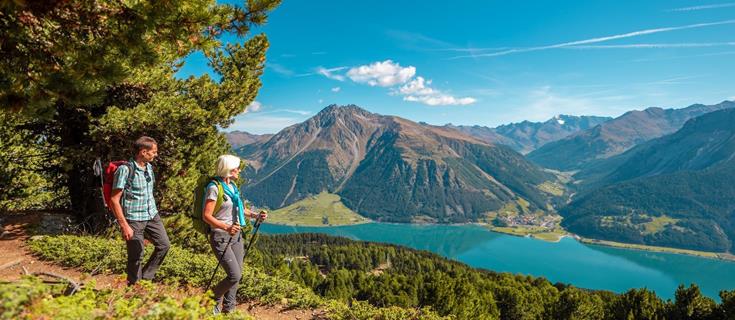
pixel 135 210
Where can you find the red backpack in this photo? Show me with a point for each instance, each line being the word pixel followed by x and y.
pixel 108 176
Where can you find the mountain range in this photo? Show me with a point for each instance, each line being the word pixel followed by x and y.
pixel 674 191
pixel 658 176
pixel 527 136
pixel 582 149
pixel 391 169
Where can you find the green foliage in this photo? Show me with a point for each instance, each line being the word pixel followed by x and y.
pixel 639 304
pixel 69 52
pixel 701 201
pixel 184 267
pixel 15 296
pixel 181 267
pixel 576 304
pixel 727 307
pixel 102 73
pixel 392 276
pixel 359 310
pixel 691 304
pixel 30 298
pixel 368 281
pixel 24 181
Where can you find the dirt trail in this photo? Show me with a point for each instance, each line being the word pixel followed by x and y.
pixel 16 260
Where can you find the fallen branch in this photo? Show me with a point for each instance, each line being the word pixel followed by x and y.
pixel 74 285
pixel 11 264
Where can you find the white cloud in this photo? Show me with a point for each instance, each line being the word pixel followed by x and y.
pixel 280 69
pixel 655 45
pixel 440 100
pixel 596 40
pixel 254 106
pixel 418 90
pixel 399 79
pixel 704 7
pixel 417 86
pixel 383 74
pixel 329 73
pixel 301 112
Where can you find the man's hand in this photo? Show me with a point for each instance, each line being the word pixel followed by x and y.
pixel 233 229
pixel 127 232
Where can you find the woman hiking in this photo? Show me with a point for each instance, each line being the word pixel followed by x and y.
pixel 224 232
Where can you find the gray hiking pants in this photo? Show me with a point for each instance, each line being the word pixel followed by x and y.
pixel 153 231
pixel 231 262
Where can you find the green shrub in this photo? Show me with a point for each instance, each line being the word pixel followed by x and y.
pixel 359 310
pixel 30 298
pixel 181 267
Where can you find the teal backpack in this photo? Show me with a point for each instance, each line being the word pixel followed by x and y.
pixel 199 199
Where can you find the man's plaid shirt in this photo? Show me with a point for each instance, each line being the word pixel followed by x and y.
pixel 137 200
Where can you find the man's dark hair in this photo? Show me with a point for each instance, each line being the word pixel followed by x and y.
pixel 144 142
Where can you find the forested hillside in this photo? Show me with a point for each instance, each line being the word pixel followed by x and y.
pixel 674 191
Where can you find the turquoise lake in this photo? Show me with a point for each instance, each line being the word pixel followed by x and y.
pixel 567 261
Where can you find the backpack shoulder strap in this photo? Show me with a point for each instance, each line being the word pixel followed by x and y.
pixel 149 167
pixel 220 196
pixel 131 175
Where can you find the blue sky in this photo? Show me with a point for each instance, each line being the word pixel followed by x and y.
pixel 489 62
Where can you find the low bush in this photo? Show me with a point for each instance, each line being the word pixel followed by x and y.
pixel 30 298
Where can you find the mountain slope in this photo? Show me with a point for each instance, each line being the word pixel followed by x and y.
pixel 616 136
pixel 390 169
pixel 673 191
pixel 238 139
pixel 527 136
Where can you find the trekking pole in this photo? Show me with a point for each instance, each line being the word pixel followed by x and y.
pixel 258 221
pixel 219 261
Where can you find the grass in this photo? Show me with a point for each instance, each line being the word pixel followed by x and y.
pixel 541 233
pixel 704 254
pixel 658 224
pixel 551 188
pixel 324 209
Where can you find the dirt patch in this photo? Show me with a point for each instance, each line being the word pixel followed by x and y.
pixel 16 260
pixel 279 312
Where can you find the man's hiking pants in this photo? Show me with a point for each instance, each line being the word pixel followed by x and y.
pixel 231 262
pixel 153 231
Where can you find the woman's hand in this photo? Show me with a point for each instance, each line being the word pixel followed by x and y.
pixel 233 229
pixel 262 215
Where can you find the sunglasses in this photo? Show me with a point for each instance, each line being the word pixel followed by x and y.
pixel 147 176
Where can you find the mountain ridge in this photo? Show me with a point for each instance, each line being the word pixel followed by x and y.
pixel 389 168
pixel 616 136
pixel 526 136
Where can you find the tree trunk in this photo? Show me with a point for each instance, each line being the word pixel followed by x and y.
pixel 78 154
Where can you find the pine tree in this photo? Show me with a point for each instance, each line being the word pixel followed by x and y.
pixel 91 76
